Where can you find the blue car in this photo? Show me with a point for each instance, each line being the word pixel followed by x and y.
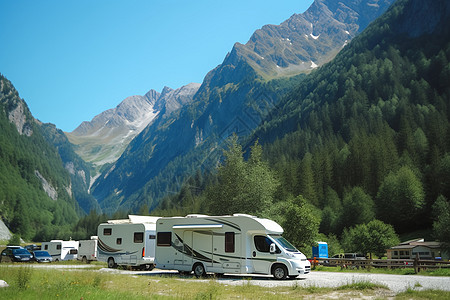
pixel 42 256
pixel 15 254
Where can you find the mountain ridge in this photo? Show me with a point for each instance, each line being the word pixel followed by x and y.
pixel 234 97
pixel 103 139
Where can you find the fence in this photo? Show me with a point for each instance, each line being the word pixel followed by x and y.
pixel 416 263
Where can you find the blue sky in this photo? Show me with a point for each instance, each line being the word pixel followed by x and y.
pixel 71 60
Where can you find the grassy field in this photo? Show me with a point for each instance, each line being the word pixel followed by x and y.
pixel 30 283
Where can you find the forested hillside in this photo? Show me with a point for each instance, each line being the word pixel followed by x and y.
pixel 365 137
pixel 35 192
pixel 79 170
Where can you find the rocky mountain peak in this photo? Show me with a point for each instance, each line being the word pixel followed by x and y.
pixel 305 41
pixel 105 137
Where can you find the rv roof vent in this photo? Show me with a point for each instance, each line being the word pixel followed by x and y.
pixel 196 216
pixel 243 215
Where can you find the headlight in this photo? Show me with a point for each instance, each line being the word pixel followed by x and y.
pixel 16 256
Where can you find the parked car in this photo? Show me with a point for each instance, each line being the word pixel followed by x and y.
pixel 15 254
pixel 32 247
pixel 42 256
pixel 349 256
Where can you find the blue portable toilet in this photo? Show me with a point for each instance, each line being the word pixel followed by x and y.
pixel 321 250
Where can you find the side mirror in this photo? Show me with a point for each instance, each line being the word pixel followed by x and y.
pixel 272 248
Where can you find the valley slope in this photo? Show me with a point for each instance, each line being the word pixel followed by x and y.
pixel 233 98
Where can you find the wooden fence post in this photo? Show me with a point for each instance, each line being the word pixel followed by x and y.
pixel 416 264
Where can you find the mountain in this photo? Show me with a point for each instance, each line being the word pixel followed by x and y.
pixel 36 199
pixel 79 170
pixel 367 135
pixel 105 137
pixel 306 41
pixel 233 98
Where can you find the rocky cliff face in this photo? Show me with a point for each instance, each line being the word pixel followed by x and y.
pixel 35 189
pixel 306 41
pixel 104 139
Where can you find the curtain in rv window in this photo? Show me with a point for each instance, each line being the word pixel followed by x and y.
pixel 164 239
pixel 138 237
pixel 229 241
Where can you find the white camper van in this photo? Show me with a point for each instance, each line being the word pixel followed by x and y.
pixel 61 250
pixel 87 250
pixel 239 244
pixel 128 242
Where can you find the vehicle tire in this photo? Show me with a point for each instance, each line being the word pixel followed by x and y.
pixel 84 260
pixel 111 263
pixel 279 272
pixel 199 270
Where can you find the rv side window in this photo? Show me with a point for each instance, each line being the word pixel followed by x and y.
pixel 229 241
pixel 73 251
pixel 107 231
pixel 119 241
pixel 164 238
pixel 46 247
pixel 58 247
pixel 262 243
pixel 138 237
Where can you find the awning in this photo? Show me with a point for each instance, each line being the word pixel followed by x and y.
pixel 198 226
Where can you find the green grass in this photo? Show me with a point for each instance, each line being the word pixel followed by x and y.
pixel 427 294
pixel 27 282
pixel 362 285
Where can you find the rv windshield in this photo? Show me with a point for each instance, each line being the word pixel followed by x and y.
pixel 284 243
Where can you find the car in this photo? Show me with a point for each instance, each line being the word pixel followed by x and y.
pixel 32 248
pixel 349 256
pixel 41 256
pixel 15 254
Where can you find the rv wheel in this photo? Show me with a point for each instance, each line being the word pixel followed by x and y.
pixel 199 270
pixel 84 260
pixel 279 272
pixel 111 263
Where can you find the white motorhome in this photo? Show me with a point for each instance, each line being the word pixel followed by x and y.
pixel 87 249
pixel 128 242
pixel 239 244
pixel 61 250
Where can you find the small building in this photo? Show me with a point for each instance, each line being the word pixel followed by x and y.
pixel 425 250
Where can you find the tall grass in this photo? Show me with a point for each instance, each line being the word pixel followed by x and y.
pixel 27 283
pixel 427 294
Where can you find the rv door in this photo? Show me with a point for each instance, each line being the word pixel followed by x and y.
pixel 261 257
pixel 187 247
pixel 203 247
